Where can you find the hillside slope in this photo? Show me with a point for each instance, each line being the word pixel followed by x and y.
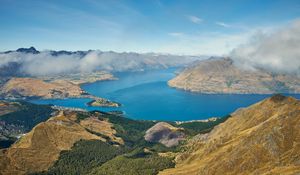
pixel 261 139
pixel 17 118
pixel 165 134
pixel 220 75
pixel 41 147
pixel 31 87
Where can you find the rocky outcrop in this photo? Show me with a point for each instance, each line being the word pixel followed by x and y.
pixel 165 134
pixel 261 139
pixel 220 75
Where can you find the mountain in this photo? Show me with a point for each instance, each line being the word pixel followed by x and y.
pixel 260 139
pixel 38 149
pixel 165 134
pixel 31 62
pixel 17 118
pixel 221 75
pixel 28 50
pixel 31 50
pixel 63 52
pixel 72 141
pixel 10 69
pixel 69 141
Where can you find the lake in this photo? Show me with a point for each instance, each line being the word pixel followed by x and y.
pixel 146 95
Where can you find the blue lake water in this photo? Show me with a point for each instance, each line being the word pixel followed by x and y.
pixel 146 95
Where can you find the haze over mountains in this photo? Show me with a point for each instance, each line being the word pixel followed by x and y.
pixel 31 62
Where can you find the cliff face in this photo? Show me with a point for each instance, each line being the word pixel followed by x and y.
pixel 222 76
pixel 261 139
pixel 40 148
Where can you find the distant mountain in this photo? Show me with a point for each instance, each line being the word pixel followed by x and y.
pixel 28 50
pixel 221 75
pixel 63 52
pixel 31 50
pixel 261 139
pixel 31 62
pixel 10 69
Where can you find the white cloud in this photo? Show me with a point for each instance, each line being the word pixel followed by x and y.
pixel 194 19
pixel 223 24
pixel 45 64
pixel 276 51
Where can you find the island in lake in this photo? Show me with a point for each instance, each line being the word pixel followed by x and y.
pixel 102 102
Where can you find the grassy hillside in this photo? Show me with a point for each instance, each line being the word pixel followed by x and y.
pixel 20 117
pixel 136 156
pixel 133 156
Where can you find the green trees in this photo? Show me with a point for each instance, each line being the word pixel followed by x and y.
pixel 131 131
pixel 84 155
pixel 136 156
pixel 137 163
pixel 21 121
pixel 194 128
pixel 28 116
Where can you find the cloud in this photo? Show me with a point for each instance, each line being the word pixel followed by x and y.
pixel 223 24
pixel 45 63
pixel 277 51
pixel 194 19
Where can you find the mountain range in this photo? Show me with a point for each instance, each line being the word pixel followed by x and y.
pixel 23 61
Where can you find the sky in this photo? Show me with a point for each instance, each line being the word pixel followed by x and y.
pixel 192 27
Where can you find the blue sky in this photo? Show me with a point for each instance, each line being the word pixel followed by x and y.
pixel 171 26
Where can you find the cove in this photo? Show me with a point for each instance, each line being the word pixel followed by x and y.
pixel 146 96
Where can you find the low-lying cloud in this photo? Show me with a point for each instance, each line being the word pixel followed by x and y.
pixel 278 52
pixel 45 63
